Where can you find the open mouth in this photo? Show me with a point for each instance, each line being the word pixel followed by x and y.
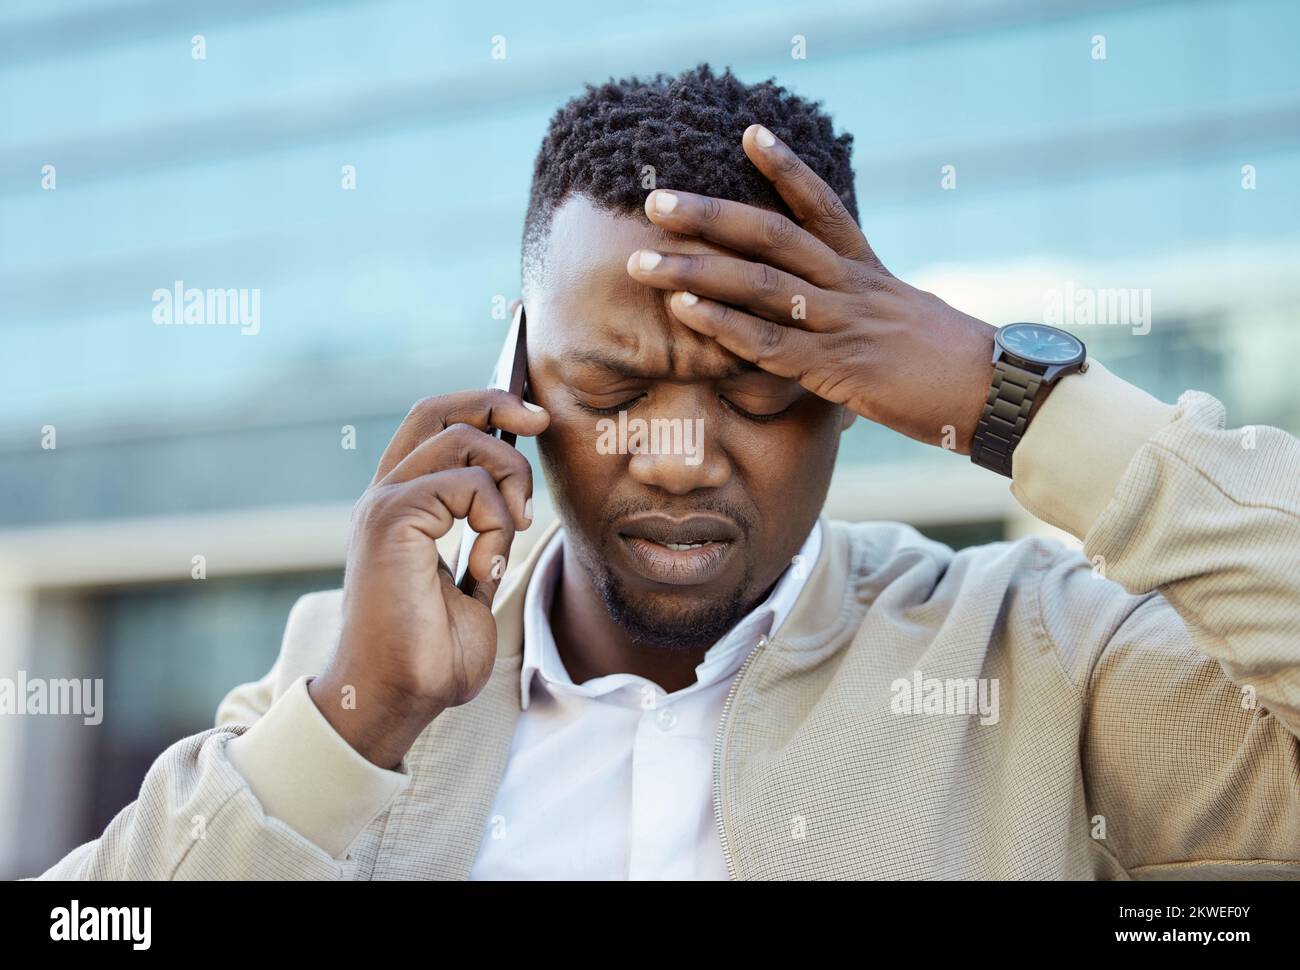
pixel 687 551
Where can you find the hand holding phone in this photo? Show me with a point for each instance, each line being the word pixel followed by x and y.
pixel 412 642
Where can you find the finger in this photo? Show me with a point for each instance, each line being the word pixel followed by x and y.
pixel 484 592
pixel 436 501
pixel 813 202
pixel 462 445
pixel 480 409
pixel 771 237
pixel 765 290
pixel 783 351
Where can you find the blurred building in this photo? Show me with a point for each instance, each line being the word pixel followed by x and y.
pixel 1169 167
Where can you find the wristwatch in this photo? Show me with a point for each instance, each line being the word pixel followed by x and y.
pixel 1026 356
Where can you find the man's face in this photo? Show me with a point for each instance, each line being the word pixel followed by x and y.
pixel 679 545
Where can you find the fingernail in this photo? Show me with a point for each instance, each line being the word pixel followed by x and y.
pixel 689 298
pixel 528 510
pixel 648 259
pixel 498 566
pixel 665 202
pixel 533 407
pixel 764 137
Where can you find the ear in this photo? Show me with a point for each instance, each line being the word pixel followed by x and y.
pixel 847 420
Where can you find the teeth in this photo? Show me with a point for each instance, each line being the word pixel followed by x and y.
pixel 682 546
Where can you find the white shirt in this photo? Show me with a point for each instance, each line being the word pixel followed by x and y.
pixel 613 778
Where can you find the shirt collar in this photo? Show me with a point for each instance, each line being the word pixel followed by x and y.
pixel 541 657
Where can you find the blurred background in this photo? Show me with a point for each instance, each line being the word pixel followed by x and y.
pixel 1151 147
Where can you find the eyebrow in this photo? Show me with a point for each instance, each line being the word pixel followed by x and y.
pixel 596 358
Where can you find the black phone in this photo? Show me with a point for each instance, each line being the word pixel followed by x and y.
pixel 510 374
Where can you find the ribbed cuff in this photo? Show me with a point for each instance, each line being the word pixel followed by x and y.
pixel 1068 464
pixel 304 774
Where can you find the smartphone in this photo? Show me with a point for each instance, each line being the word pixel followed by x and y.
pixel 511 374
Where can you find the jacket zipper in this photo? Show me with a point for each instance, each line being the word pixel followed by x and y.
pixel 717 755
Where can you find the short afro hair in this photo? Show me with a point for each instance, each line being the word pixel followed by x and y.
pixel 688 128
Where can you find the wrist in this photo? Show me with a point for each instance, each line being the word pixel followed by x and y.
pixel 975 390
pixel 1028 359
pixel 932 383
pixel 379 728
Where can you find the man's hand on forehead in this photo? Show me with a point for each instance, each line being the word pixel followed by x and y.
pixel 808 299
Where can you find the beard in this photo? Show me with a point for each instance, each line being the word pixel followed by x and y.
pixel 682 626
pixel 678 622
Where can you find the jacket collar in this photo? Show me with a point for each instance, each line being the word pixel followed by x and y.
pixel 508 606
pixel 821 601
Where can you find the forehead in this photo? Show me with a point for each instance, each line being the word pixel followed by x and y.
pixel 586 301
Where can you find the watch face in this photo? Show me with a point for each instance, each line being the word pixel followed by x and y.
pixel 1040 344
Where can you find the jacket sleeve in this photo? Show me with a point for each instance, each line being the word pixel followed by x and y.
pixel 1189 674
pixel 196 818
pixel 272 792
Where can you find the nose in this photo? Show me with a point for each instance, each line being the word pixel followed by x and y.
pixel 677 454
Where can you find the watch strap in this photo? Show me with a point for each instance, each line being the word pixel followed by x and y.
pixel 1005 416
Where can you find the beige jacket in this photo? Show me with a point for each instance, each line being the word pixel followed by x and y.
pixel 1148 719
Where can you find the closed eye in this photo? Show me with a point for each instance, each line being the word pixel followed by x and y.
pixel 731 405
pixel 750 415
pixel 625 406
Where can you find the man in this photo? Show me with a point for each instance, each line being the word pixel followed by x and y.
pixel 698 677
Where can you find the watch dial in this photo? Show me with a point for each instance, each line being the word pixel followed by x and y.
pixel 1041 344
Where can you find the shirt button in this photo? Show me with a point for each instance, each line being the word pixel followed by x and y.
pixel 667 719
